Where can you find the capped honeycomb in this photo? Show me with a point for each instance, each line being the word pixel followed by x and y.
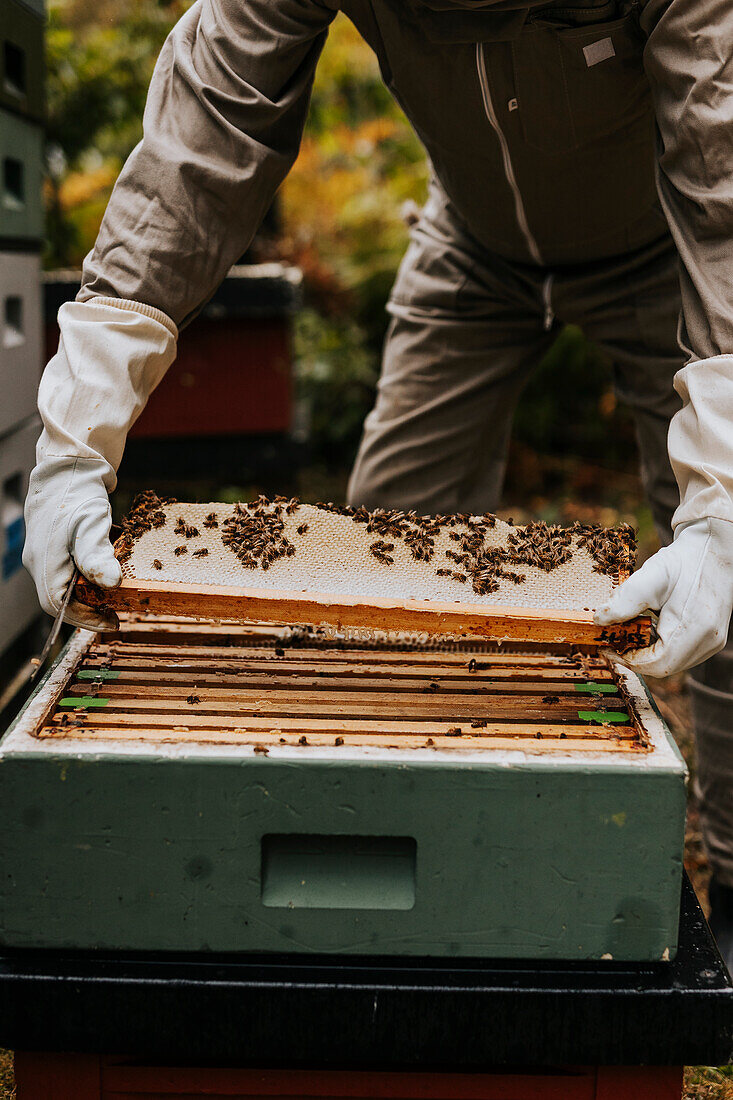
pixel 283 545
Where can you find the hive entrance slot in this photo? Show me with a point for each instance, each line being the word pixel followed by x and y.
pixel 338 872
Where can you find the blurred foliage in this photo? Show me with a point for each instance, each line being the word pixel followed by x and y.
pixel 336 376
pixel 342 214
pixel 100 57
pixel 569 406
pixel 359 163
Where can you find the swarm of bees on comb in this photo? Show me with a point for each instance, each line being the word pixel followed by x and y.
pixel 256 533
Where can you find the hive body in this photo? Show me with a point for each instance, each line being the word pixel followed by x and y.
pixel 223 788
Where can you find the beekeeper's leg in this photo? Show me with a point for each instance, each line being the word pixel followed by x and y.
pixel 465 334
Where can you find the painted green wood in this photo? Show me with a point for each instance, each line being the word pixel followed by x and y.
pixel 599 717
pixel 21 174
pixel 155 851
pixel 21 343
pixel 22 60
pixel 18 599
pixel 82 702
pixel 301 871
pixel 38 7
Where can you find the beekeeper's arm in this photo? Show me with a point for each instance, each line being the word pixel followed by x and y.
pixel 222 126
pixel 690 64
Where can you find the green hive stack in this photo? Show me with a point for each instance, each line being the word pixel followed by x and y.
pixel 21 232
pixel 125 829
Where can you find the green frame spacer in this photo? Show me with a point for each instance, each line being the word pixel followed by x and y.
pixel 83 701
pixel 597 689
pixel 603 716
pixel 98 674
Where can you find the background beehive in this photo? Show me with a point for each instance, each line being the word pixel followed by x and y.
pixel 22 76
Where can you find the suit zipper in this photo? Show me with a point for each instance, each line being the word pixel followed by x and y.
pixel 508 168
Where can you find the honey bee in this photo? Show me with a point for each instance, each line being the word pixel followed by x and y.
pixel 382 551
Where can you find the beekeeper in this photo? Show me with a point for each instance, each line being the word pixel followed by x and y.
pixel 582 171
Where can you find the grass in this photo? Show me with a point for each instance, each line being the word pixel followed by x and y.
pixel 705 1083
pixel 7 1081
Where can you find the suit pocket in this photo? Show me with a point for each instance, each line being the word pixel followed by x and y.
pixel 577 85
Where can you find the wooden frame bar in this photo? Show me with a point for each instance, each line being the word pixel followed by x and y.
pixel 506 624
pixel 270 697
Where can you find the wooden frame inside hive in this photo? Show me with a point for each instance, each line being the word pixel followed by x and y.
pixel 348 567
pixel 174 682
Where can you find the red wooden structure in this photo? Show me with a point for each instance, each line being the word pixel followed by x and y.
pixel 233 372
pixel 94 1077
pixel 231 377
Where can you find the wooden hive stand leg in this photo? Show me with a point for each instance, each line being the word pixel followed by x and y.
pixel 639 1083
pixel 57 1076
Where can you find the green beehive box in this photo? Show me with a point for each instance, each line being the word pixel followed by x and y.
pixel 21 177
pixel 22 60
pixel 174 792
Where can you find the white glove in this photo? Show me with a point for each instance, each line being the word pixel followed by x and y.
pixel 690 582
pixel 112 354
